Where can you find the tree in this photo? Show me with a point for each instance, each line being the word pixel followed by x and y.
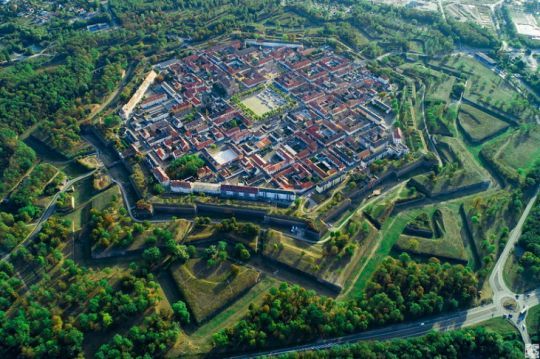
pixel 112 121
pixel 106 319
pixel 241 252
pixel 185 166
pixel 152 255
pixel 181 312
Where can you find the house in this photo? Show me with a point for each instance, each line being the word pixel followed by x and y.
pixel 272 194
pixel 161 176
pixel 180 186
pixel 485 59
pixel 239 191
pixel 397 136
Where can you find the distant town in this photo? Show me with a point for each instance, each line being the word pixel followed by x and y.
pixel 280 120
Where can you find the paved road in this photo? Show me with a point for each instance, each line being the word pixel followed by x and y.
pixel 442 323
pixel 48 212
pixel 501 292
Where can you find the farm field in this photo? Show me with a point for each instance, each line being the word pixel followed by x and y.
pixel 208 289
pixel 478 124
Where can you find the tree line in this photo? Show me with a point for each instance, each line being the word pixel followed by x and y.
pixel 400 289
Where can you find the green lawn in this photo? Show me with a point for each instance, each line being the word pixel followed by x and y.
pixel 514 279
pixel 467 173
pixel 200 340
pixel 441 89
pixel 308 258
pixel 501 326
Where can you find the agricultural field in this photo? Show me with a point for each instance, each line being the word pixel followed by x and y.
pixel 446 243
pixel 479 125
pixel 209 289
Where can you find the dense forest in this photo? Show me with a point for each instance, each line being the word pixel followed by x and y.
pixel 530 241
pixel 468 343
pixel 400 289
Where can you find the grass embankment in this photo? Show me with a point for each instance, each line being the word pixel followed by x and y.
pixel 501 326
pixel 200 341
pixel 479 124
pixel 521 149
pixel 386 238
pixel 449 245
pixel 464 171
pixel 208 289
pixel 312 259
pixel 487 88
